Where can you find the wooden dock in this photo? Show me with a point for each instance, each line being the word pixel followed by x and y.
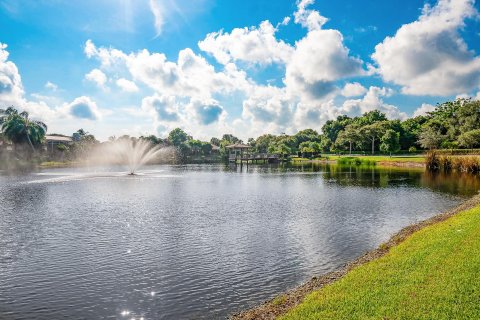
pixel 254 158
pixel 242 153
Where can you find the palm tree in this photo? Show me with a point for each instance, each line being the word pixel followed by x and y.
pixel 5 113
pixel 19 128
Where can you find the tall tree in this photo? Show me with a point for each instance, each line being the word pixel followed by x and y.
pixel 470 139
pixel 177 136
pixel 373 132
pixel 350 135
pixel 230 138
pixel 215 141
pixel 430 139
pixel 371 117
pixel 411 128
pixel 390 141
pixel 19 128
pixel 332 128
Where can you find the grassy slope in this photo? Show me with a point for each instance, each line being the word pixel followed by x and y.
pixel 434 274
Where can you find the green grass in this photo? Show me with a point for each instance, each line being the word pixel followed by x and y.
pixel 358 161
pixel 434 274
pixel 298 159
pixel 418 159
pixel 53 164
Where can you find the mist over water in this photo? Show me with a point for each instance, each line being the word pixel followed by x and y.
pixel 194 241
pixel 131 153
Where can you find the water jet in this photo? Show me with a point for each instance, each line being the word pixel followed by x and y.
pixel 134 153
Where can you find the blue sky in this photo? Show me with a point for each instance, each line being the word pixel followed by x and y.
pixel 242 67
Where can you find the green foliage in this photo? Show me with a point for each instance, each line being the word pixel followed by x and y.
pixel 332 128
pixel 87 142
pixel 177 136
pixel 347 138
pixel 263 142
pixel 371 117
pixel 154 140
pixel 430 138
pixel 281 147
pixel 373 132
pixel 470 139
pixel 451 125
pixel 411 128
pixel 61 147
pixel 19 128
pixel 231 139
pixel 390 141
pixel 350 161
pixel 215 141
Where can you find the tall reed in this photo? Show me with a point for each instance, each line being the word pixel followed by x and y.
pixel 435 162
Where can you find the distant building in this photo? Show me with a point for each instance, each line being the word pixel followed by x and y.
pixel 52 141
pixel 235 151
pixel 215 149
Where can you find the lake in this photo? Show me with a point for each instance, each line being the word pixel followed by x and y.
pixel 195 241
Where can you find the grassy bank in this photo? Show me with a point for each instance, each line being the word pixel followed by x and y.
pixel 414 159
pixel 434 274
pixel 394 161
pixel 430 270
pixel 58 164
pixel 402 161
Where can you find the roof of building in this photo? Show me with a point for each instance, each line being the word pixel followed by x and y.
pixel 238 146
pixel 58 138
pixel 214 147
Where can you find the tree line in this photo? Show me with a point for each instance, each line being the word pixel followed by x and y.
pixel 451 125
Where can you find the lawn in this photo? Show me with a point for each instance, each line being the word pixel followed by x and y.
pixel 433 274
pixel 418 159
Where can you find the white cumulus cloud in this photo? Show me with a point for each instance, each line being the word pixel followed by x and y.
pixel 82 108
pixel 254 45
pixel 373 100
pixel 11 88
pixel 126 85
pixel 423 109
pixel 206 112
pixel 191 75
pixel 429 56
pixel 162 107
pixel 98 77
pixel 318 61
pixel 353 89
pixel 308 18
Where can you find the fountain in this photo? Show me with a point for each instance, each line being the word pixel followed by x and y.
pixel 134 153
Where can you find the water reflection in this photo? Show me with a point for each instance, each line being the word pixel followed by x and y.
pixel 197 241
pixel 371 176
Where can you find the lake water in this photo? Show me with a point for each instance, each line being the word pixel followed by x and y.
pixel 188 242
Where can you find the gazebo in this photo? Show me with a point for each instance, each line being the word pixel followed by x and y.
pixel 236 150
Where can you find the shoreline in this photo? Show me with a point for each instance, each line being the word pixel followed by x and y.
pixel 284 302
pixel 380 163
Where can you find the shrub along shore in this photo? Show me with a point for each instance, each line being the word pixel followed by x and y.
pixel 429 270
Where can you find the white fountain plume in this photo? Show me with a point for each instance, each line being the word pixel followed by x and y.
pixel 134 153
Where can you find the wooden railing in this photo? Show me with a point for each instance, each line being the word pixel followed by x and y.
pixel 254 156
